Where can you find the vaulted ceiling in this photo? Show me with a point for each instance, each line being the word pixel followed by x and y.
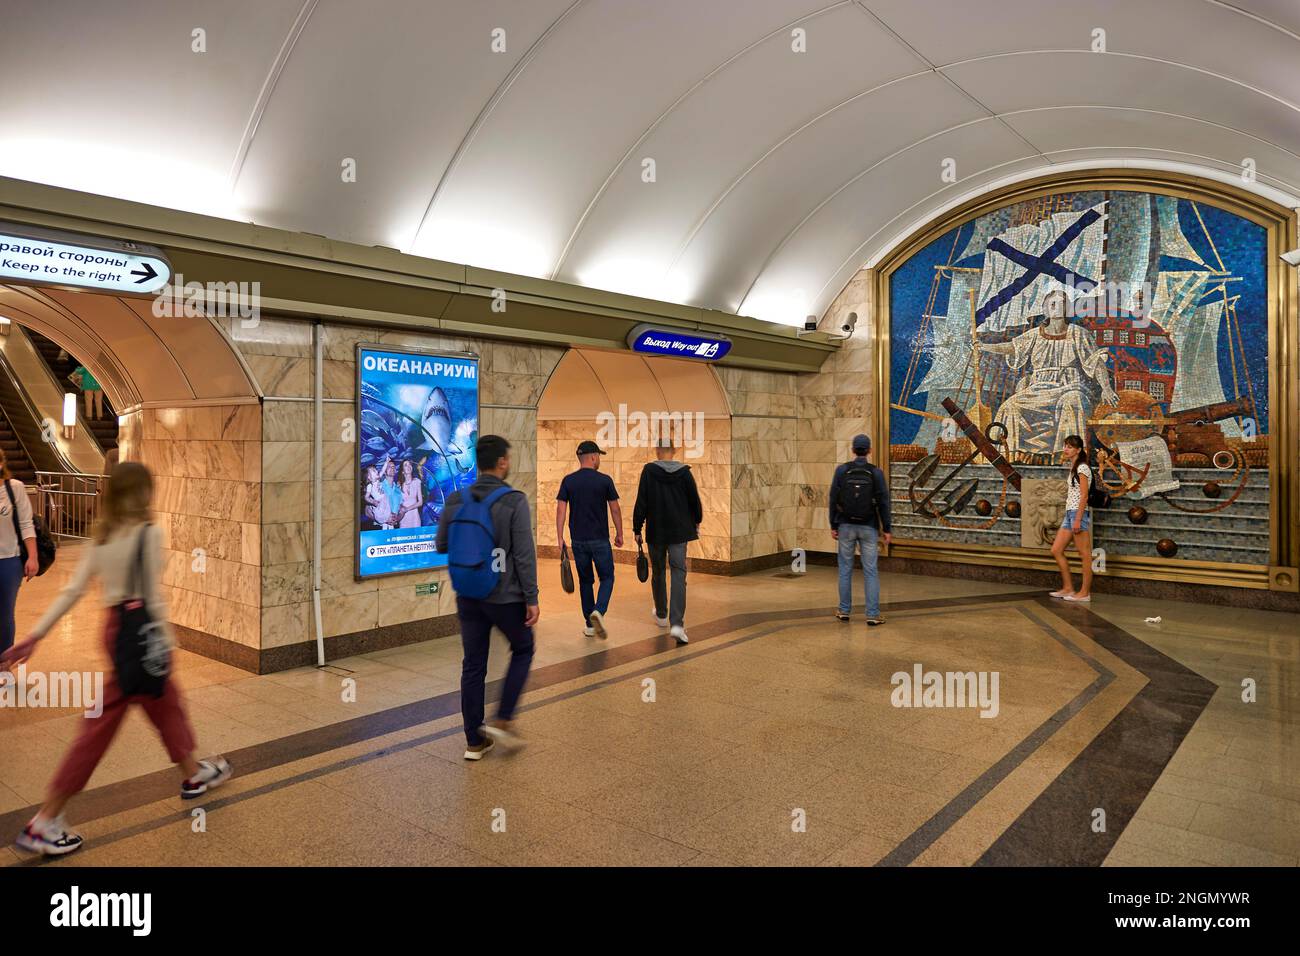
pixel 516 134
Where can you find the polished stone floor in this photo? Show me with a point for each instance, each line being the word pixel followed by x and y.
pixel 772 739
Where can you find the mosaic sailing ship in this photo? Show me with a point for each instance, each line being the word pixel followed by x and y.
pixel 1157 352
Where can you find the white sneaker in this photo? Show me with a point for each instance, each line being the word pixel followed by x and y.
pixel 50 838
pixel 598 624
pixel 588 632
pixel 679 635
pixel 505 736
pixel 1075 599
pixel 661 621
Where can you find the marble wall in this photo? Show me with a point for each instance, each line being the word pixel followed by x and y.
pixel 207 466
pixel 834 404
pixel 556 456
pixel 279 352
pixel 764 461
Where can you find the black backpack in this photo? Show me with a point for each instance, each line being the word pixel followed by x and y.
pixel 46 549
pixel 141 655
pixel 857 496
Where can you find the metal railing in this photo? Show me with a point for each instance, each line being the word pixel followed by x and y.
pixel 68 502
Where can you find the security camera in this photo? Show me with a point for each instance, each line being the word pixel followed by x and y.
pixel 810 324
pixel 1292 258
pixel 850 323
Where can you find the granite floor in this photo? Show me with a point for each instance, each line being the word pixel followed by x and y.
pixel 772 739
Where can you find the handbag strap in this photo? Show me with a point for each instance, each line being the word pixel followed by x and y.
pixel 13 513
pixel 136 582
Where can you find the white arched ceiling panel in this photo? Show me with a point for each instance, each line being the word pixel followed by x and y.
pixel 1173 136
pixel 590 91
pixel 113 99
pixel 825 243
pixel 769 201
pixel 401 117
pixel 1283 14
pixel 1193 32
pixel 1084 79
pixel 766 94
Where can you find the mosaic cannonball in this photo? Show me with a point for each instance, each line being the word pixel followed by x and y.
pixel 1137 514
pixel 983 507
pixel 1013 509
pixel 1212 489
pixel 1166 547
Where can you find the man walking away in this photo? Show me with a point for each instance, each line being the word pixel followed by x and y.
pixel 859 501
pixel 668 504
pixel 588 497
pixel 487 534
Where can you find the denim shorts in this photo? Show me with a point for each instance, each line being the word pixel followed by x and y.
pixel 1067 522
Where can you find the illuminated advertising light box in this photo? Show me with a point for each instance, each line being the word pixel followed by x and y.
pixel 417 425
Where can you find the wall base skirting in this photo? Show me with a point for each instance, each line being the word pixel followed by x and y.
pixel 551 552
pixel 1102 584
pixel 303 654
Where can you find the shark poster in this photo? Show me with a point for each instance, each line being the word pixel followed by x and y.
pixel 417 416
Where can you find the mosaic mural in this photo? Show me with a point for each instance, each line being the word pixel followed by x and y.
pixel 1134 319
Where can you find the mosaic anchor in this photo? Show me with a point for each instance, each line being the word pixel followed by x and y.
pixel 984 443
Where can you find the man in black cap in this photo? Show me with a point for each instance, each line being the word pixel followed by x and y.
pixel 585 495
pixel 859 502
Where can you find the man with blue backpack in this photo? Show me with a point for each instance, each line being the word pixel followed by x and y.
pixel 487 534
pixel 859 513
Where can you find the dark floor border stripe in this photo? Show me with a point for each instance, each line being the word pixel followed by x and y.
pixel 1117 770
pixel 136 792
pixel 936 607
pixel 932 829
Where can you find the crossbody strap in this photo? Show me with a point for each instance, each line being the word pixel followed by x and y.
pixel 13 513
pixel 136 582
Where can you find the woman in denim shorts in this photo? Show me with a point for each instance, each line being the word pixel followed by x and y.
pixel 1077 524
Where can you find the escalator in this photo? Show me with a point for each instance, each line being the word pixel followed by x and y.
pixel 61 365
pixel 20 466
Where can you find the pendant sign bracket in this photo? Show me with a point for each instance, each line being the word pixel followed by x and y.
pixel 38 256
pixel 674 343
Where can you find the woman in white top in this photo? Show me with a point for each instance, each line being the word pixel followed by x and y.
pixel 17 551
pixel 122 533
pixel 1076 526
pixel 412 497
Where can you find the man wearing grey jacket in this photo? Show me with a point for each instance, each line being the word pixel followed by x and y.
pixel 511 607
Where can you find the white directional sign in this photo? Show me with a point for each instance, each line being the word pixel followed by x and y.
pixel 51 257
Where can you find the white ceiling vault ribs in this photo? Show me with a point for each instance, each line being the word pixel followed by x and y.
pixel 778 175
pixel 781 31
pixel 268 87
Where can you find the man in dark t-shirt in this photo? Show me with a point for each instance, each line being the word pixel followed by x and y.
pixel 589 497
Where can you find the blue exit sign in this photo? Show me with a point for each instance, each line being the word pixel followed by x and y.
pixel 677 344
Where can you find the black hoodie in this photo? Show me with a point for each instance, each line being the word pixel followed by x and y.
pixel 668 502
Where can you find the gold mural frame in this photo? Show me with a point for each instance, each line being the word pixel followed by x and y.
pixel 1281 573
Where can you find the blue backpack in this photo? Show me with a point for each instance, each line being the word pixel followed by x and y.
pixel 471 541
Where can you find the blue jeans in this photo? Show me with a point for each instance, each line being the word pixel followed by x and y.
pixel 851 535
pixel 11 576
pixel 592 558
pixel 477 618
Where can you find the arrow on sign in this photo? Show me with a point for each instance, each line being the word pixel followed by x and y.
pixel 146 272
